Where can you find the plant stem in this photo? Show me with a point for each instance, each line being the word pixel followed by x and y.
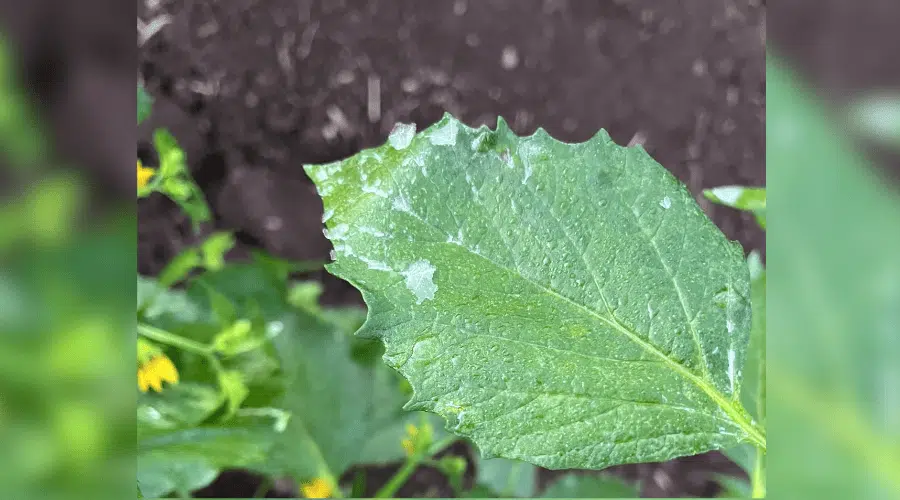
pixel 399 478
pixel 412 463
pixel 758 481
pixel 264 486
pixel 173 340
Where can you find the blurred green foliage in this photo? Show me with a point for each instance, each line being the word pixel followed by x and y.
pixel 833 305
pixel 65 407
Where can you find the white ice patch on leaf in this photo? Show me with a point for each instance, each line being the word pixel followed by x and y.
pixel 337 233
pixel 374 264
pixel 446 135
pixel 728 194
pixel 402 135
pixel 666 203
pixel 731 374
pixel 419 280
pixel 401 204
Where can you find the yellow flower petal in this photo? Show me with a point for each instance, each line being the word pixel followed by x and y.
pixel 317 488
pixel 166 370
pixel 154 372
pixel 408 446
pixel 143 174
pixel 142 380
pixel 154 381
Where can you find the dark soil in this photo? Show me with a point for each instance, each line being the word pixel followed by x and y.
pixel 256 88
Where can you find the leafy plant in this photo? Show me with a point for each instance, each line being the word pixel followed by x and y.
pixel 568 305
pixel 565 305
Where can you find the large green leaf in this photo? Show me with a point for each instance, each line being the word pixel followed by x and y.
pixel 564 304
pixel 833 319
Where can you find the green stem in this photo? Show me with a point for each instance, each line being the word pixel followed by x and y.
pixel 400 477
pixel 412 463
pixel 264 486
pixel 758 481
pixel 168 338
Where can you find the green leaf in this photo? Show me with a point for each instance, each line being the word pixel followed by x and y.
pixel 733 487
pixel 454 468
pixel 188 459
pixel 569 305
pixel 185 404
pixel 753 390
pixel 832 355
pixel 305 295
pixel 144 104
pixel 179 267
pixel 589 486
pixel 174 179
pixel 507 478
pixel 234 389
pixel 214 249
pixel 346 408
pixel 210 254
pixel 159 474
pixel 741 198
pixel 338 405
pixel 238 338
pixel 479 491
pixel 878 117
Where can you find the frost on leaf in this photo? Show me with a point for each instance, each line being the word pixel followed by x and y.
pixel 586 302
pixel 420 280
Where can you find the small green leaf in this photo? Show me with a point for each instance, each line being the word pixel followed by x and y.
pixel 305 295
pixel 733 487
pixel 187 459
pixel 214 249
pixel 159 474
pixel 144 104
pixel 179 267
pixel 479 491
pixel 174 178
pixel 238 338
pixel 507 478
pixel 235 390
pixel 589 486
pixel 741 198
pixel 180 405
pixel 455 469
pixel 565 304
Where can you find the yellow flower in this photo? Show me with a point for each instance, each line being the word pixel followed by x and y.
pixel 155 371
pixel 409 443
pixel 317 488
pixel 143 174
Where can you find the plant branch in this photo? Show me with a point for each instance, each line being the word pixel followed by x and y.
pixel 168 338
pixel 412 463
